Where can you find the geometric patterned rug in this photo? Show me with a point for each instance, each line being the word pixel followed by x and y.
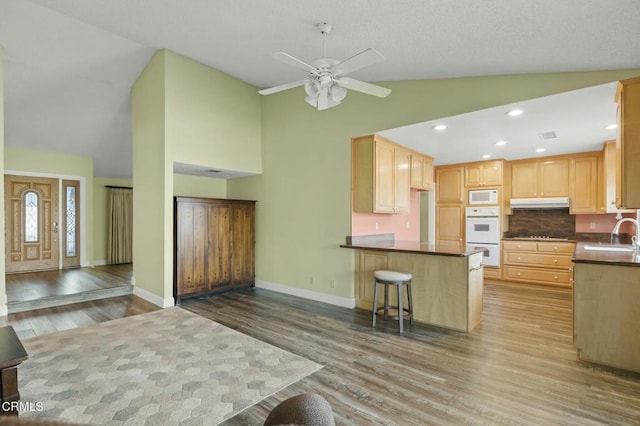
pixel 163 367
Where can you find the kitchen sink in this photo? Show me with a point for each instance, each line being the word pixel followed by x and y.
pixel 628 249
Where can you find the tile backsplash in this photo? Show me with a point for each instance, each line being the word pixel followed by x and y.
pixel 551 222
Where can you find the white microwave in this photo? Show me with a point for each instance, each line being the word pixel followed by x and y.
pixel 483 196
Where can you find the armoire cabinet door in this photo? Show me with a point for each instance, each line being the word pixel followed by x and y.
pixel 191 246
pixel 243 237
pixel 219 253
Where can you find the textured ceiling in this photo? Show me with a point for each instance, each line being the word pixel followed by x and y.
pixel 70 64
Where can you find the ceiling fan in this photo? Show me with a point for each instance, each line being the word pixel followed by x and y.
pixel 325 84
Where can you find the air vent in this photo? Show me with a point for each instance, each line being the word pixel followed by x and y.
pixel 548 135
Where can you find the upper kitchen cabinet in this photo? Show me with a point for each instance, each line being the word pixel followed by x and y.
pixel 483 174
pixel 449 184
pixel 586 183
pixel 628 144
pixel 421 172
pixel 450 205
pixel 611 179
pixel 381 175
pixel 540 178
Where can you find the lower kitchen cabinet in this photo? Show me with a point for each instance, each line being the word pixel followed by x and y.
pixel 539 262
pixel 213 245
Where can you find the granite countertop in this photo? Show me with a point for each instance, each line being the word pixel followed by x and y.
pixel 413 247
pixel 618 258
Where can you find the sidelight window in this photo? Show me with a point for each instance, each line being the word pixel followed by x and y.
pixel 30 217
pixel 71 221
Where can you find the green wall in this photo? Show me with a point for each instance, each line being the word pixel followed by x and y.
pixel 199 186
pixel 212 119
pixel 151 202
pixel 3 285
pixel 303 210
pixel 183 112
pixel 64 166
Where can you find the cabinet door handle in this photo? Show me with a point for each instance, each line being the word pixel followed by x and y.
pixel 542 193
pixel 555 260
pixel 555 278
pixel 518 257
pixel 555 248
pixel 518 274
pixel 475 268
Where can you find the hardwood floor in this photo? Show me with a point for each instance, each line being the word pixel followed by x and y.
pixel 49 320
pixel 518 367
pixel 43 289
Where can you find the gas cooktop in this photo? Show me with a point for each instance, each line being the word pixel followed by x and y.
pixel 539 237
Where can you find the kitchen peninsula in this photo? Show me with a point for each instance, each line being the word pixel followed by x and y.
pixel 606 314
pixel 447 280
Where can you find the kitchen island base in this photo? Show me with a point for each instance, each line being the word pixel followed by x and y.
pixel 607 314
pixel 447 290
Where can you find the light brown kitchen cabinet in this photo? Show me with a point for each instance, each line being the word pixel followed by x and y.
pixel 486 173
pixel 449 184
pixel 538 262
pixel 213 245
pixel 611 179
pixel 421 172
pixel 381 175
pixel 585 183
pixel 450 205
pixel 540 178
pixel 628 144
pixel 450 224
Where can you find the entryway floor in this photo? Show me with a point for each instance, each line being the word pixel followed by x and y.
pixel 35 290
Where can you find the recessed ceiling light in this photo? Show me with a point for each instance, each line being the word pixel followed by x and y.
pixel 540 150
pixel 611 126
pixel 515 112
pixel 440 127
pixel 501 143
pixel 486 156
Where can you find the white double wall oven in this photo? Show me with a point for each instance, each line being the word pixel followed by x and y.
pixel 483 233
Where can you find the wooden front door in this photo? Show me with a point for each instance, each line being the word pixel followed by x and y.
pixel 31 223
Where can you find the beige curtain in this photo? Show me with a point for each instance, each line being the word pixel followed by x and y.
pixel 121 226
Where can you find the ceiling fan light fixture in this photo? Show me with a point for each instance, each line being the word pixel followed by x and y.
pixel 311 89
pixel 312 100
pixel 338 93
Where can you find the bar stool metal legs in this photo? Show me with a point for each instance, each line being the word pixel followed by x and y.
pixel 398 280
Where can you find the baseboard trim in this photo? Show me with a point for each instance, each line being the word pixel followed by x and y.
pixel 165 302
pixel 344 302
pixel 100 262
pixel 4 311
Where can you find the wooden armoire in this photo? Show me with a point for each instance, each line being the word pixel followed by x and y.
pixel 213 245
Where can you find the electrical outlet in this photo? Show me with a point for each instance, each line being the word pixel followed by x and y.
pixel 592 225
pixel 312 280
pixel 332 283
pixel 377 226
pixel 407 224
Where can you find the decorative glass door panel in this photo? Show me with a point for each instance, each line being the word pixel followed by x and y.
pixel 32 225
pixel 70 223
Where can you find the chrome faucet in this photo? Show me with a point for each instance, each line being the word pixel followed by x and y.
pixel 634 239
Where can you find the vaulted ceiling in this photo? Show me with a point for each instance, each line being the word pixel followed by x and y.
pixel 69 64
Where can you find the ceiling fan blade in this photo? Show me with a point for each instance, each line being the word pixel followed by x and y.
pixel 290 60
pixel 361 86
pixel 282 87
pixel 356 62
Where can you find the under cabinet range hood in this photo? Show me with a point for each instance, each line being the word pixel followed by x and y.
pixel 540 203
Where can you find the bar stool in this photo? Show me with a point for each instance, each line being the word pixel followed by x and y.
pixel 399 280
